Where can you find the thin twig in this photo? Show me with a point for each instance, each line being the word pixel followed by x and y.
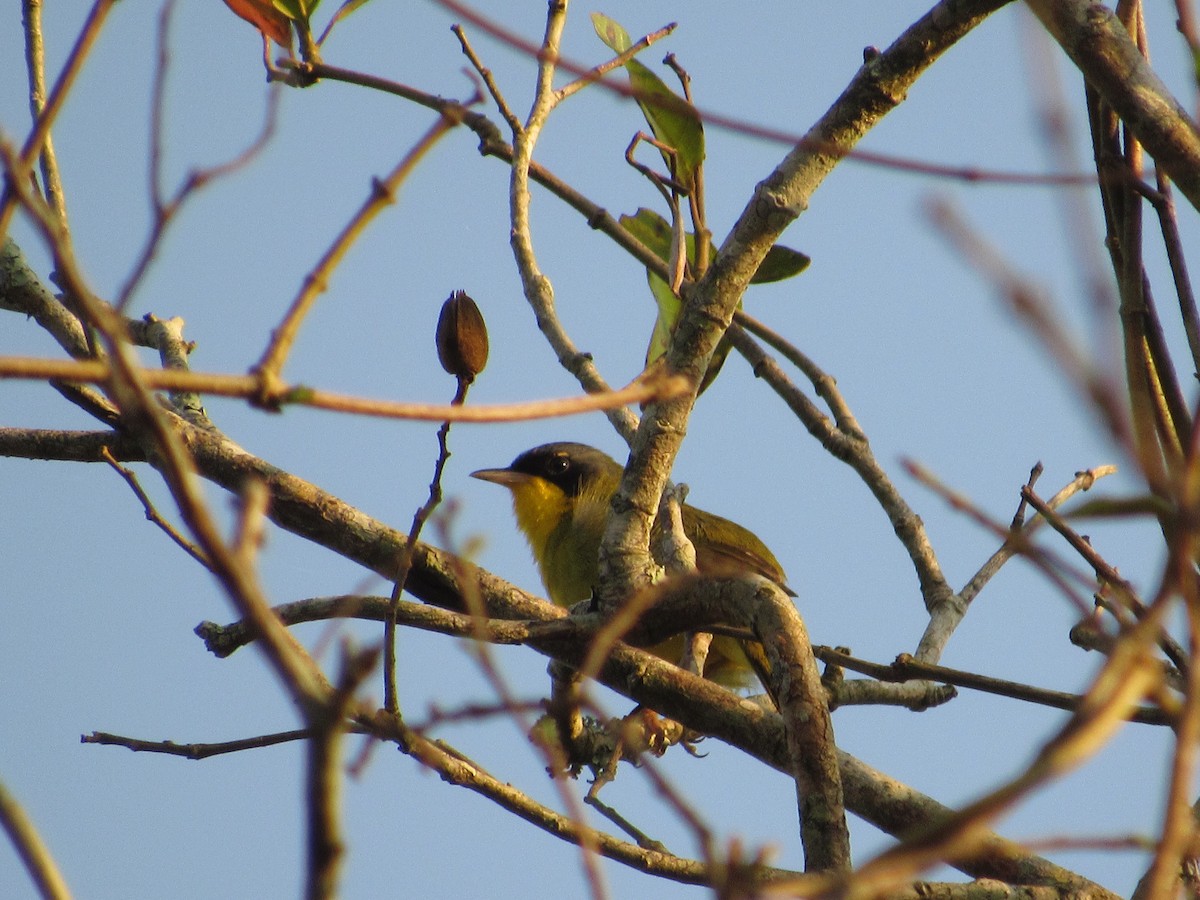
pixel 1050 565
pixel 1128 675
pixel 489 80
pixel 597 72
pixel 538 290
pixel 1107 574
pixel 850 446
pixel 491 144
pixel 164 210
pixel 152 514
pixel 35 63
pixel 907 668
pixel 247 386
pixel 222 640
pixel 639 836
pixel 648 767
pixel 552 755
pixel 1168 223
pixel 249 533
pixel 390 701
pixel 326 847
pixel 33 145
pixel 192 750
pixel 460 770
pixel 1179 828
pixel 824 384
pixel 667 186
pixel 696 195
pixel 435 717
pixel 1015 540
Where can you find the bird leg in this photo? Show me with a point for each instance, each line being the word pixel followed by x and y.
pixel 695 652
pixel 564 710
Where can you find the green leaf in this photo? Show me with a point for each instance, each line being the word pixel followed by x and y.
pixel 1120 507
pixel 651 227
pixel 293 9
pixel 297 10
pixel 673 120
pixel 714 363
pixel 669 307
pixel 347 7
pixel 655 232
pixel 611 33
pixel 780 262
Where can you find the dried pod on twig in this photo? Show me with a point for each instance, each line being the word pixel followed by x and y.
pixel 462 338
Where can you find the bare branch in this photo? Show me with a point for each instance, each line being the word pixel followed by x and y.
pixel 36 856
pixel 153 427
pixel 1098 44
pixel 32 148
pixel 152 514
pixel 324 777
pixel 598 72
pixel 193 750
pixel 35 63
pixel 907 667
pixel 944 620
pixel 247 387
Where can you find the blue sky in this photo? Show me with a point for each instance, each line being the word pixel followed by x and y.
pixel 99 606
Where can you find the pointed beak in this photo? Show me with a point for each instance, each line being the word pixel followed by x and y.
pixel 506 477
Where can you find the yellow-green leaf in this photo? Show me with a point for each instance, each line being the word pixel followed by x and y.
pixel 673 120
pixel 1120 507
pixel 611 33
pixel 669 307
pixel 297 10
pixel 664 323
pixel 780 262
pixel 347 7
pixel 655 232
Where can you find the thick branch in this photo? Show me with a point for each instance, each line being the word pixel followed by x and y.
pixel 1100 46
pixel 801 698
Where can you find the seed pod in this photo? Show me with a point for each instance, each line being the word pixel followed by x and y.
pixel 462 339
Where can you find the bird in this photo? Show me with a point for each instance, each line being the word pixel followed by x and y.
pixel 561 493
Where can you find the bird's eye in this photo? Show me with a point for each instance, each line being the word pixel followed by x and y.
pixel 559 464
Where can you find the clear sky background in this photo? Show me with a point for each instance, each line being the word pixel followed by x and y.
pixel 98 606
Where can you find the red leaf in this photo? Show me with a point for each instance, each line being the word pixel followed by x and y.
pixel 265 17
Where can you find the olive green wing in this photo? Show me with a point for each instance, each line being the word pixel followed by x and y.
pixel 723 546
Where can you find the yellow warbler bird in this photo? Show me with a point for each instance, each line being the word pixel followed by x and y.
pixel 561 494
